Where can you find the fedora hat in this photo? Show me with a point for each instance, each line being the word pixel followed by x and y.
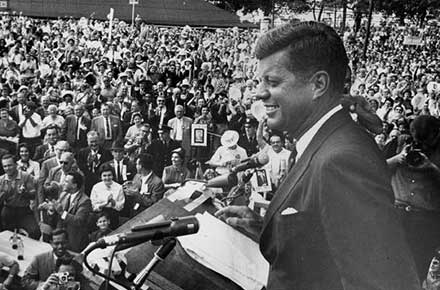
pixel 229 138
pixel 117 145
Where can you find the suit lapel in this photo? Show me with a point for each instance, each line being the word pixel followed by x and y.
pixel 298 170
pixel 74 203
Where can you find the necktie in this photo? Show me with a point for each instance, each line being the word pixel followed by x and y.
pixel 108 133
pixel 118 171
pixel 77 127
pixel 292 158
pixel 67 205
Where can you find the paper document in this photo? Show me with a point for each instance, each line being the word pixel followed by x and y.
pixel 185 192
pixel 225 250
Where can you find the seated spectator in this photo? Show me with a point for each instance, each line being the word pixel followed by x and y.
pixel 175 174
pixel 25 164
pixel 229 154
pixel 103 225
pixel 108 196
pixel 146 188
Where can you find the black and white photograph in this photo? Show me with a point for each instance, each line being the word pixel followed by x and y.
pixel 220 144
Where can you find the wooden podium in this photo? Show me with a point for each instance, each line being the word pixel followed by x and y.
pixel 178 270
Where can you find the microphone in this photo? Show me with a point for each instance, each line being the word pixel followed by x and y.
pixel 177 227
pixel 253 162
pixel 159 256
pixel 231 178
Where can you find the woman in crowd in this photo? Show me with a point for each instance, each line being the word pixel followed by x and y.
pixel 135 129
pixel 108 196
pixel 25 164
pixel 176 173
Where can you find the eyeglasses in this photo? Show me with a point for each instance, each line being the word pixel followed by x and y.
pixel 64 162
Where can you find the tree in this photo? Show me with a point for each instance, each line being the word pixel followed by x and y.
pixel 408 9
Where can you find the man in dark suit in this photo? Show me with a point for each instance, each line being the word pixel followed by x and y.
pixel 91 158
pixel 147 187
pixel 161 149
pixel 331 224
pixel 72 211
pixel 124 169
pixel 75 128
pixel 17 111
pixel 47 150
pixel 108 126
pixel 43 265
pixel 248 140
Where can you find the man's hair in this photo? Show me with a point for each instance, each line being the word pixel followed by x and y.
pixel 92 134
pixel 53 126
pixel 310 47
pixel 58 232
pixel 146 161
pixel 70 261
pixel 8 156
pixel 77 178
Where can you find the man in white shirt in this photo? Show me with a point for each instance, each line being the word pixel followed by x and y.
pixel 181 130
pixel 278 159
pixel 31 126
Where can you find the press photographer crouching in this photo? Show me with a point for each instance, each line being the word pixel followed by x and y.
pixel 66 277
pixel 416 184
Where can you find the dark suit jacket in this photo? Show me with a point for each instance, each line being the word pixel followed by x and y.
pixel 251 147
pixel 46 166
pixel 161 154
pixel 76 222
pixel 156 190
pixel 68 132
pixel 92 172
pixel 130 170
pixel 343 232
pixel 39 153
pixel 98 125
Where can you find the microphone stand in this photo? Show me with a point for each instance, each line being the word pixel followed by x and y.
pixel 159 256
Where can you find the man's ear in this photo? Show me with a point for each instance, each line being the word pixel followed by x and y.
pixel 320 82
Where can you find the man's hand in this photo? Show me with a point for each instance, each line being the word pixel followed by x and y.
pixel 58 207
pixel 241 216
pixel 52 280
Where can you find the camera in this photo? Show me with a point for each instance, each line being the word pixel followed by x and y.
pixel 413 157
pixel 63 277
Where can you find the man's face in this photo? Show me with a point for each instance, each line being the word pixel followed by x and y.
pixel 60 149
pixel 179 112
pixel 118 155
pixel 66 162
pixel 92 141
pixel 105 111
pixel 163 135
pixel 9 166
pixel 290 99
pixel 250 130
pixel 59 245
pixel 52 136
pixel 68 185
pixel 275 142
pixel 78 111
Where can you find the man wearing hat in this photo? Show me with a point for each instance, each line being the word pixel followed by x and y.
pixel 124 169
pixel 248 140
pixel 161 148
pixel 229 154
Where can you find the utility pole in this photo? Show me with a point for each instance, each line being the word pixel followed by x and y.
pixel 367 36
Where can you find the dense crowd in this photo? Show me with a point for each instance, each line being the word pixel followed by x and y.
pixel 95 126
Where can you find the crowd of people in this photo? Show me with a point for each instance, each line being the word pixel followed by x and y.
pixel 95 127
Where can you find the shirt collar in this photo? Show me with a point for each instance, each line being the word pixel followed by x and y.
pixel 146 177
pixel 74 195
pixel 305 139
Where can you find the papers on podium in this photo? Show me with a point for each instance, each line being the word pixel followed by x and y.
pixel 225 250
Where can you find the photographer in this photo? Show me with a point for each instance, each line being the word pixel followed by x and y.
pixel 416 181
pixel 66 277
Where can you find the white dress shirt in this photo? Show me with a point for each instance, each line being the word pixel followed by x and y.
pixel 278 163
pixel 179 130
pixel 305 139
pixel 30 131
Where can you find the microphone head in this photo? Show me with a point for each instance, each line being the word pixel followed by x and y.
pixel 218 181
pixel 263 158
